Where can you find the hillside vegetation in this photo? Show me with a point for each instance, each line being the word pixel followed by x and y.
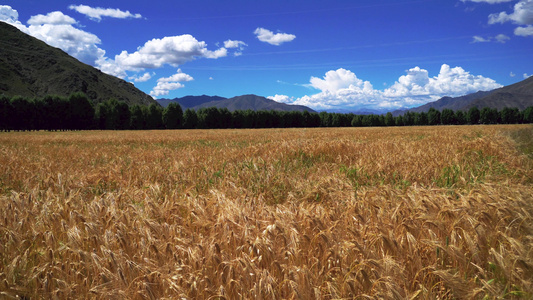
pixel 31 68
pixel 397 213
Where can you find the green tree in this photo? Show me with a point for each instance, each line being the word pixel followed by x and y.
pixel 237 118
pixel 433 116
pixel 224 119
pixel 190 119
pixel 137 117
pixel 22 113
pixel 421 119
pixel 325 119
pixel 473 115
pixel 447 117
pixel 173 116
pixel 528 115
pixel 6 113
pixel 101 113
pixel 510 115
pixel 55 109
pixel 389 119
pixel 409 118
pixel 123 115
pixel 400 121
pixel 489 116
pixel 81 112
pixel 460 117
pixel 154 118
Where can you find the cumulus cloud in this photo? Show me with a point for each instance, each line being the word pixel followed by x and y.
pixel 234 44
pixel 281 98
pixel 512 74
pixel 11 16
pixel 173 50
pixel 230 44
pixel 143 78
pixel 96 13
pixel 526 76
pixel 53 18
pixel 522 14
pixel 267 36
pixel 167 84
pixel 342 89
pixel 524 31
pixel 8 14
pixel 76 42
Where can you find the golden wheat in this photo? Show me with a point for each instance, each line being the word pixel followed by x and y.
pixel 401 213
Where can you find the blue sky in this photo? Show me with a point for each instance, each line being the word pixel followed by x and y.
pixel 328 55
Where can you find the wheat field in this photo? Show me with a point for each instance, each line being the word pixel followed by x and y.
pixel 440 212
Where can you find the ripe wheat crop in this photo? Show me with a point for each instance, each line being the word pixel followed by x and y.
pixel 365 213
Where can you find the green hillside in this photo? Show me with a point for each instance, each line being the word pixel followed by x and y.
pixel 31 68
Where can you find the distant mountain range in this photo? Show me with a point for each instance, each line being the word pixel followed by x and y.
pixel 518 95
pixel 31 68
pixel 245 102
pixel 189 101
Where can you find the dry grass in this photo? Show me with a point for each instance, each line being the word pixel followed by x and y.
pixel 394 213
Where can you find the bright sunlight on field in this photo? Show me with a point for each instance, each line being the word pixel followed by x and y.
pixel 409 213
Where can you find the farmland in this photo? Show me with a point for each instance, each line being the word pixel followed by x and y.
pixel 417 212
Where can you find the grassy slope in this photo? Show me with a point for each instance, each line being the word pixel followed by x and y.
pixel 427 212
pixel 31 68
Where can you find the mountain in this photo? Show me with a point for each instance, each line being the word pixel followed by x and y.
pixel 189 101
pixel 31 68
pixel 518 95
pixel 453 103
pixel 253 102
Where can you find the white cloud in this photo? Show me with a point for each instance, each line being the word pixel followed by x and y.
pixel 53 18
pixel 512 74
pixel 78 43
pixel 230 44
pixel 526 76
pixel 479 39
pixel 335 80
pixel 281 98
pixel 8 14
pixel 524 31
pixel 173 50
pixel 500 38
pixel 234 44
pixel 11 16
pixel 267 36
pixel 167 84
pixel 450 82
pixel 145 77
pixel 96 13
pixel 342 89
pixel 522 14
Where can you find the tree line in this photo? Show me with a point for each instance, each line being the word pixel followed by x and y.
pixel 78 113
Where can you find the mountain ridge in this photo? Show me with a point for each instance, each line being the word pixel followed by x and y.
pixel 518 95
pixel 243 102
